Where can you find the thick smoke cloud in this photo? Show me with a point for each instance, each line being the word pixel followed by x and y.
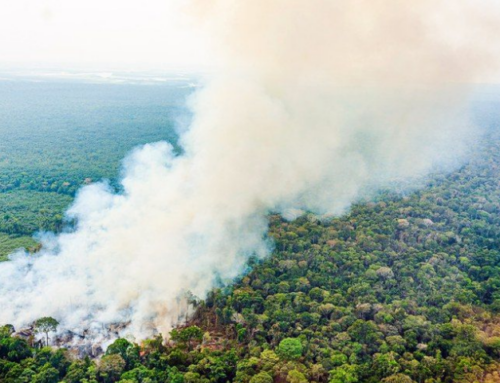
pixel 316 104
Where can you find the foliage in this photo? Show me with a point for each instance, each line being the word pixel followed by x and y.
pixel 187 335
pixel 401 289
pixel 404 288
pixel 56 137
pixel 290 349
pixel 262 377
pixel 46 325
pixel 10 243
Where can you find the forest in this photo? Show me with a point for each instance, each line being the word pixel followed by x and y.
pixel 403 288
pixel 56 137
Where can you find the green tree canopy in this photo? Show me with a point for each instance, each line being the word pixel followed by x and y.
pixel 290 349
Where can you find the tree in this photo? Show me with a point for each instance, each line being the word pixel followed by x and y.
pixel 398 378
pixel 187 335
pixel 139 374
pixel 76 372
pixel 120 347
pixel 385 364
pixel 191 377
pixel 365 332
pixel 262 377
pixel 269 359
pixel 47 374
pixel 111 367
pixel 290 349
pixel 295 376
pixel 128 351
pixel 344 374
pixel 46 325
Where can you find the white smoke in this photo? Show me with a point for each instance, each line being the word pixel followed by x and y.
pixel 318 103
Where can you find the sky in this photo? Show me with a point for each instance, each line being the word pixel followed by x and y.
pixel 150 34
pixel 116 35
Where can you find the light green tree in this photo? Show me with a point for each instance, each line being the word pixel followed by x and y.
pixel 262 377
pixel 290 349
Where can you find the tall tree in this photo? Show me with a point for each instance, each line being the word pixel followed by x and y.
pixel 46 325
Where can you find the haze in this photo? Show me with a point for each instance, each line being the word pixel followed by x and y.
pixel 113 33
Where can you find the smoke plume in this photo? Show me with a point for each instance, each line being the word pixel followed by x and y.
pixel 315 104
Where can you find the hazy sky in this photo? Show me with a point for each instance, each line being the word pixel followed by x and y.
pixel 115 34
pixel 124 33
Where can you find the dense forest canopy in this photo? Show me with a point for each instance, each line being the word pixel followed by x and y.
pixel 403 288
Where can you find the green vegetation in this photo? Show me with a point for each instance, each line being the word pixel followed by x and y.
pixel 46 325
pixel 10 243
pixel 290 349
pixel 57 137
pixel 24 212
pixel 404 289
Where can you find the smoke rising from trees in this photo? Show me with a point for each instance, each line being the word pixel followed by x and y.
pixel 315 105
